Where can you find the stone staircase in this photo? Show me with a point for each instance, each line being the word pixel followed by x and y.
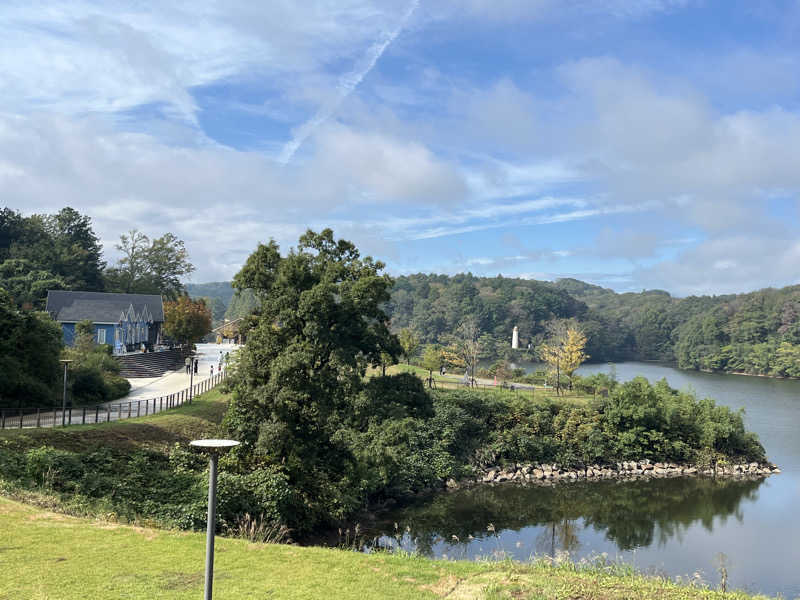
pixel 150 364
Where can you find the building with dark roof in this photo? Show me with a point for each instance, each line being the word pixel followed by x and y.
pixel 125 321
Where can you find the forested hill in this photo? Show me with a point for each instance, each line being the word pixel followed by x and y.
pixel 225 303
pixel 756 332
pixel 434 305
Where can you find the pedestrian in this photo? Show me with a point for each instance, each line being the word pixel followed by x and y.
pixel 188 363
pixel 196 365
pixel 212 369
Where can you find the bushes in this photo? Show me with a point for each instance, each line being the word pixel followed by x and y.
pixel 636 420
pixel 94 376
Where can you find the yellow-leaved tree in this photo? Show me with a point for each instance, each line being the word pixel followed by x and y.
pixel 563 351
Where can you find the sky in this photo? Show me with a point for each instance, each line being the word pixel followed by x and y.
pixel 631 144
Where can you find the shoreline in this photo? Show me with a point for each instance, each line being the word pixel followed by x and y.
pixel 549 474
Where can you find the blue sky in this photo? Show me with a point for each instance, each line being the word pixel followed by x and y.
pixel 647 144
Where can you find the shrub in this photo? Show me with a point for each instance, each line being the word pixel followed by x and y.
pixel 54 469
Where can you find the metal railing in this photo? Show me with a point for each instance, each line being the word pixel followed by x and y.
pixel 21 418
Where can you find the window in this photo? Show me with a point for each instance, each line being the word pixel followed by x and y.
pixel 101 336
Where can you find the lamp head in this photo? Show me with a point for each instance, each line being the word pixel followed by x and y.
pixel 215 446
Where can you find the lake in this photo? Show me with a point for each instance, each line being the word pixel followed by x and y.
pixel 676 527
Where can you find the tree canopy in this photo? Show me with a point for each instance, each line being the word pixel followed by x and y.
pixel 150 266
pixel 29 351
pixel 186 321
pixel 319 325
pixel 41 252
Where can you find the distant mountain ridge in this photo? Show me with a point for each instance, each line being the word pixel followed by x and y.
pixel 226 303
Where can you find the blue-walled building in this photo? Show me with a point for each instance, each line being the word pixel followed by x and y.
pixel 124 321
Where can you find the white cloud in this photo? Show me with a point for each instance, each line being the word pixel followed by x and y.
pixel 666 144
pixel 347 83
pixel 728 264
pixel 107 56
pixel 377 168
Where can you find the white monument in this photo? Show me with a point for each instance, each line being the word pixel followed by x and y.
pixel 515 338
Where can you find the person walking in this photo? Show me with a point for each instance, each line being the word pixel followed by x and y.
pixel 212 369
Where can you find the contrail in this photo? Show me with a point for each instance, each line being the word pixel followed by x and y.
pixel 347 83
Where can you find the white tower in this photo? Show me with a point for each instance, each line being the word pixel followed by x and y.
pixel 515 338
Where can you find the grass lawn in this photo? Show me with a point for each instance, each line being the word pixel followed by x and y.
pixel 45 556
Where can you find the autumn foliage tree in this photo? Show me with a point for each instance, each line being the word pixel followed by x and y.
pixel 409 341
pixel 186 320
pixel 564 351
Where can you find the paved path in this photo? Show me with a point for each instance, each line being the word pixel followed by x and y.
pixel 148 395
pixel 143 388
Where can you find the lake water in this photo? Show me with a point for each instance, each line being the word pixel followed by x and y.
pixel 676 527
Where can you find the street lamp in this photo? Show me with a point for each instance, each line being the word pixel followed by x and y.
pixel 213 448
pixel 64 396
pixel 190 360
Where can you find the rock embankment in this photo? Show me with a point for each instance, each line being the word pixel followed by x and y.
pixel 551 473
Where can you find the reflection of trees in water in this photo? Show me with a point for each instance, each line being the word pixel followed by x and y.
pixel 631 514
pixel 562 535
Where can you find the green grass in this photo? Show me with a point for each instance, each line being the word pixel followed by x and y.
pixel 45 555
pixel 201 418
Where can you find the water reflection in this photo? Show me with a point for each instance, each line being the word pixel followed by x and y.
pixel 632 514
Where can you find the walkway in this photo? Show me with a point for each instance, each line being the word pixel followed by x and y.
pixel 147 396
pixel 143 388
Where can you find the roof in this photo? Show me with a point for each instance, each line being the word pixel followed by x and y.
pixel 227 324
pixel 100 307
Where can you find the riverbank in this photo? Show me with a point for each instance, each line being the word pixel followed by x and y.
pixel 50 556
pixel 548 474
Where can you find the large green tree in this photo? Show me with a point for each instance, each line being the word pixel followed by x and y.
pixel 320 324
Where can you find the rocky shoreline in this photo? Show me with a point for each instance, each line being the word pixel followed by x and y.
pixel 547 474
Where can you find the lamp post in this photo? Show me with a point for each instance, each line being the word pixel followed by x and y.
pixel 191 374
pixel 64 396
pixel 213 448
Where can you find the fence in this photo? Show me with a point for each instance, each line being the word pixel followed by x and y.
pixel 19 418
pixel 456 384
